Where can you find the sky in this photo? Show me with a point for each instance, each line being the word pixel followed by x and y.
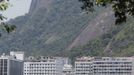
pixel 17 8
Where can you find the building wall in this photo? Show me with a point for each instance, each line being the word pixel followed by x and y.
pixel 84 68
pixel 10 66
pixel 112 68
pixel 39 68
pixel 19 55
pixel 16 67
pixel 48 67
pixel 3 67
pixel 105 66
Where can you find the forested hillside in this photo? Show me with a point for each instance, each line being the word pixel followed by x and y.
pixel 119 41
pixel 48 28
pixel 60 27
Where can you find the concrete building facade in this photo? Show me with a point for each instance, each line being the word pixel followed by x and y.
pixel 10 66
pixel 104 66
pixel 44 66
pixel 18 55
pixel 68 70
pixel 84 66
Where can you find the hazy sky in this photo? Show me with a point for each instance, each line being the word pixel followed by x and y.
pixel 18 8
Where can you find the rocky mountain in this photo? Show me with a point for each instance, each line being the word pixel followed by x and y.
pixel 48 28
pixel 60 27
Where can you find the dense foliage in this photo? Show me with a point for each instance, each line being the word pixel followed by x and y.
pixel 8 28
pixel 121 8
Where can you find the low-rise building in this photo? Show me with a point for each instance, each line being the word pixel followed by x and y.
pixel 44 66
pixel 18 55
pixel 84 66
pixel 104 66
pixel 68 70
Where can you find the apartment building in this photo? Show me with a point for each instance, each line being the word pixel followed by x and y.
pixel 44 66
pixel 68 70
pixel 18 55
pixel 10 66
pixel 104 66
pixel 84 66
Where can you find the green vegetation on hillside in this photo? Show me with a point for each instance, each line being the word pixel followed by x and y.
pixel 47 31
pixel 119 41
pixel 121 8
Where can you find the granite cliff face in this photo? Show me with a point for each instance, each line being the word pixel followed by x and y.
pixel 37 4
pixel 33 5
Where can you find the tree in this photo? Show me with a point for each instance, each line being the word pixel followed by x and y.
pixel 8 28
pixel 122 8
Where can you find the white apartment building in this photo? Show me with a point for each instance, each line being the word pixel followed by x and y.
pixel 104 66
pixel 84 66
pixel 44 66
pixel 68 70
pixel 9 65
pixel 18 55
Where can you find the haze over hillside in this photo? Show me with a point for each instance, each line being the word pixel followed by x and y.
pixel 60 27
